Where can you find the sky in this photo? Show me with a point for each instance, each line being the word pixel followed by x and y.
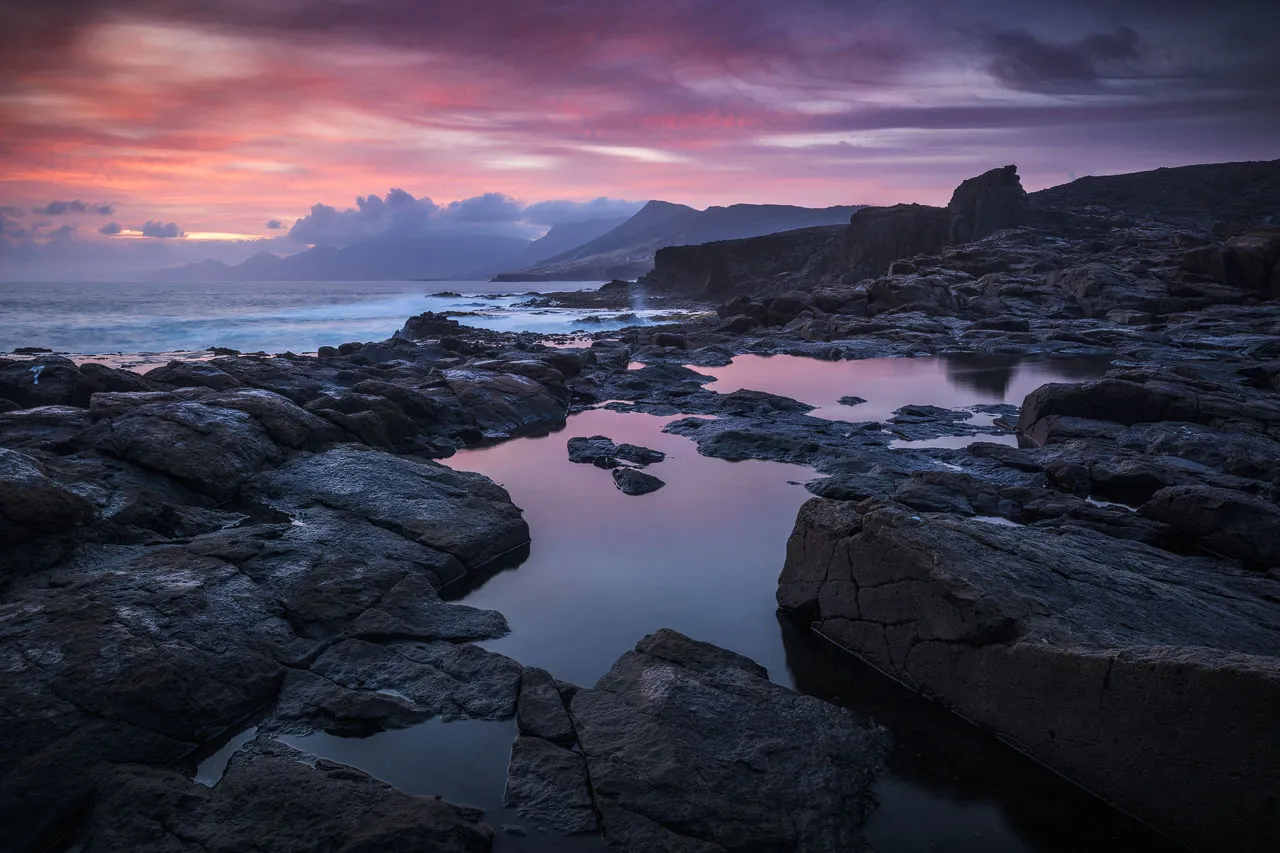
pixel 142 133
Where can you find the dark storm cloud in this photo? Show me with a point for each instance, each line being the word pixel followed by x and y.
pixel 110 229
pixel 163 230
pixel 274 224
pixel 62 208
pixel 1022 61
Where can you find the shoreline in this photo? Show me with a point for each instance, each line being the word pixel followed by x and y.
pixel 287 511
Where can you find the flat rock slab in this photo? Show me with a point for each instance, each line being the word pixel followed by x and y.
pixel 691 747
pixel 1148 676
pixel 465 515
pixel 272 802
pixel 548 785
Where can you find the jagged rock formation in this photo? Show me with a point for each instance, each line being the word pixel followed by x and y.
pixel 231 538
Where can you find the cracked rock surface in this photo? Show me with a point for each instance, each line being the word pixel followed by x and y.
pixel 690 747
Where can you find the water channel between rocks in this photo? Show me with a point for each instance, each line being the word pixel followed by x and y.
pixel 702 556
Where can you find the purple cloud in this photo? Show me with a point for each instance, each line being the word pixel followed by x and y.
pixel 162 230
pixel 62 208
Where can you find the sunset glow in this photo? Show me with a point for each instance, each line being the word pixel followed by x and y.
pixel 222 119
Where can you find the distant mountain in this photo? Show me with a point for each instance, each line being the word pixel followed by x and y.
pixel 372 260
pixel 627 251
pixel 564 238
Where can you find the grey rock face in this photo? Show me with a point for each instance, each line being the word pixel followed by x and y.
pixel 602 452
pixel 548 784
pixel 186 561
pixel 1084 649
pixel 1222 521
pixel 991 202
pixel 632 482
pixel 541 711
pixel 270 801
pixel 690 747
pixel 465 515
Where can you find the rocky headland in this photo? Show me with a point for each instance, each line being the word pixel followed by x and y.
pixel 264 540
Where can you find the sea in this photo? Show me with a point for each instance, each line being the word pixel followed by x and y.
pixel 273 317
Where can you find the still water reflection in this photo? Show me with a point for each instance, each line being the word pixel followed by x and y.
pixel 702 556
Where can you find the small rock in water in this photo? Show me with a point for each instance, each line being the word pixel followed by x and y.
pixel 632 482
pixel 600 451
pixel 639 455
pixel 851 401
pixel 597 450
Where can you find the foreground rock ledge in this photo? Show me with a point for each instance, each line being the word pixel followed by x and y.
pixel 690 747
pixel 1151 678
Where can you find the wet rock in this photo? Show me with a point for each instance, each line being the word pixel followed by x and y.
pixel 638 455
pixel 446 678
pixel 933 294
pixel 505 404
pixel 774 769
pixel 112 379
pixel 193 374
pixel 632 482
pixel 212 450
pixel 463 515
pixel 428 325
pixel 1221 521
pixel 541 710
pixel 548 785
pixel 270 800
pixel 670 339
pixel 851 401
pixel 597 450
pixel 1079 647
pixel 33 505
pixel 48 380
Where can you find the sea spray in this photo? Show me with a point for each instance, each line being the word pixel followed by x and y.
pixel 637 303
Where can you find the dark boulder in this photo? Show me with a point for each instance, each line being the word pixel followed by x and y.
pixel 597 450
pixel 193 374
pixel 427 325
pixel 670 339
pixel 1221 521
pixel 691 747
pixel 632 482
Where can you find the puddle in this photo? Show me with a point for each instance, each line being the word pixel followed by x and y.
pixel 210 771
pixel 702 556
pixel 463 760
pixel 996 520
pixel 952 381
pixel 953 442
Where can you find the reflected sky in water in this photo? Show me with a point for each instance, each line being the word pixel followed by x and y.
pixel 702 555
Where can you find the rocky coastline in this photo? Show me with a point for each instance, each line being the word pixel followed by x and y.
pixel 267 539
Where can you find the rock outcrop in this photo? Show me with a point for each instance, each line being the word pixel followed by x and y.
pixel 271 801
pixel 175 562
pixel 691 747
